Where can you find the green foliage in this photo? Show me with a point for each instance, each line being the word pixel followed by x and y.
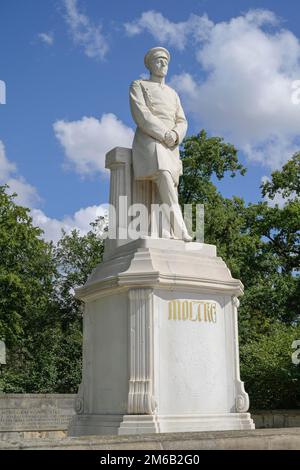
pixel 75 257
pixel 26 271
pixel 203 157
pixel 280 229
pixel 261 246
pixel 51 363
pixel 40 320
pixel 285 182
pixel 271 379
pixel 259 243
pixel 275 298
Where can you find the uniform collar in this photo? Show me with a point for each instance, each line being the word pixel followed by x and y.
pixel 159 85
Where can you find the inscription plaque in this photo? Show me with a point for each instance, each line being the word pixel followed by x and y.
pixel 35 412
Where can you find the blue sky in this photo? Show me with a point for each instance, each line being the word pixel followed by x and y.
pixel 67 65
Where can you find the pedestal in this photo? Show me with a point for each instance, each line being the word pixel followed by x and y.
pixel 160 347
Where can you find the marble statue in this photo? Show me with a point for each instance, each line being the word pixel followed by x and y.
pixel 160 324
pixel 161 127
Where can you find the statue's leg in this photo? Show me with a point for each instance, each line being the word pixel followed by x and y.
pixel 169 196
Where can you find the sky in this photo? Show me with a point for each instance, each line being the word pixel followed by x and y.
pixel 65 71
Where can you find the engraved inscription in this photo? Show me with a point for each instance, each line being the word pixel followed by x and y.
pixel 21 419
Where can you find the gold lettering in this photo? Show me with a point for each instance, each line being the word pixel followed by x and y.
pixel 205 310
pixel 174 310
pixel 185 310
pixel 192 302
pixel 193 310
pixel 178 309
pixel 209 316
pixel 214 312
pixel 199 311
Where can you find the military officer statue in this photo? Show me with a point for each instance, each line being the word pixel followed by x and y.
pixel 160 330
pixel 161 127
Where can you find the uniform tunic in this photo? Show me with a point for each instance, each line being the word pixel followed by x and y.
pixel 156 109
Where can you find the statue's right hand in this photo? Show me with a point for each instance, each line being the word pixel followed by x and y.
pixel 169 139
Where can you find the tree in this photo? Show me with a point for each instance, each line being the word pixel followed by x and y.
pixel 26 271
pixel 40 320
pixel 285 182
pixel 278 228
pixel 75 257
pixel 203 157
pixel 259 243
pixel 271 379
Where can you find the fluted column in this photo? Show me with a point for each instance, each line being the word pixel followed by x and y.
pixel 118 161
pixel 242 397
pixel 140 397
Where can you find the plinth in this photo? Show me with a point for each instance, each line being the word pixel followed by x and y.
pixel 160 349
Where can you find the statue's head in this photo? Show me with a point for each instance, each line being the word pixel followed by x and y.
pixel 157 60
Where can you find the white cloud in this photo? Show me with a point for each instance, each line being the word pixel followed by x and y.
pixel 26 194
pixel 46 38
pixel 6 167
pixel 163 30
pixel 245 95
pixel 88 140
pixel 84 33
pixel 80 221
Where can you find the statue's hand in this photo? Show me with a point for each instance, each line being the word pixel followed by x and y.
pixel 170 138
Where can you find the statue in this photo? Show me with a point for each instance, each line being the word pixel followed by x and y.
pixel 153 304
pixel 161 127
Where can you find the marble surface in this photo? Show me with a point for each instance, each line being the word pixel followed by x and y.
pixel 160 342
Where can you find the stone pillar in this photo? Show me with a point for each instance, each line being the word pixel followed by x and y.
pixel 118 161
pixel 124 191
pixel 242 397
pixel 140 397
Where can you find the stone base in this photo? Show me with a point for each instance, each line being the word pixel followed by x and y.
pixel 160 350
pixel 151 424
pixel 93 425
pixel 139 424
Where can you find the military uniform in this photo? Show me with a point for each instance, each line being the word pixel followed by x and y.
pixel 156 109
pixel 161 127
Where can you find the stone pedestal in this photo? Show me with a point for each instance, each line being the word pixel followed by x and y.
pixel 160 347
pixel 160 351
